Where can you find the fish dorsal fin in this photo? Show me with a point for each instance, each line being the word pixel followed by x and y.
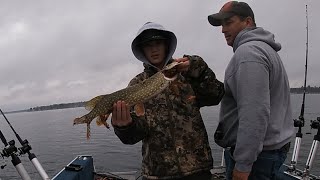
pixel 92 103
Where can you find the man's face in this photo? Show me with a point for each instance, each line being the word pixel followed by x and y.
pixel 231 28
pixel 155 51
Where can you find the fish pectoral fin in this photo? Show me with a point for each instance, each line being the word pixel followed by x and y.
pixel 139 109
pixel 191 99
pixel 92 103
pixel 102 120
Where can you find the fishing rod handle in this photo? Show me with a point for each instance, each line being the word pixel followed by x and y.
pixel 19 167
pixel 39 168
pixel 295 153
pixel 311 156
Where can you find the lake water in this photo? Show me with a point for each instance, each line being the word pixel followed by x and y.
pixel 56 142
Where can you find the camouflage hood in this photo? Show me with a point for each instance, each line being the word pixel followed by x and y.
pixel 170 36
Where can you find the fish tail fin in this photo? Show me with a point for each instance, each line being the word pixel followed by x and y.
pixel 102 120
pixel 80 120
pixel 88 131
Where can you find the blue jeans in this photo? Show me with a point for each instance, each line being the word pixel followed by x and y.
pixel 266 167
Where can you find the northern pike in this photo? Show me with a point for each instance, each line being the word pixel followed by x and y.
pixel 101 106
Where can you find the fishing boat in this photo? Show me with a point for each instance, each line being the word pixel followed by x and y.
pixel 82 168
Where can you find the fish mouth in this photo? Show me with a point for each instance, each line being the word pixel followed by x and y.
pixel 170 71
pixel 171 66
pixel 171 78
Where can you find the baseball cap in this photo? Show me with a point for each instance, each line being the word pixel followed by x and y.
pixel 230 9
pixel 151 35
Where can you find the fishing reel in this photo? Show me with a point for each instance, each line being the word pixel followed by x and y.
pixel 299 122
pixel 25 147
pixel 9 150
pixel 315 124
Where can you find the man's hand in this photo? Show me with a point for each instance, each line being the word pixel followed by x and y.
pixel 237 175
pixel 184 66
pixel 121 114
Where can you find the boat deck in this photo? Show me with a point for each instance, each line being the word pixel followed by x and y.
pixel 218 173
pixel 82 168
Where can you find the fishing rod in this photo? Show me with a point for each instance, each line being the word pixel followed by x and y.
pixel 11 150
pixel 300 121
pixel 26 149
pixel 315 124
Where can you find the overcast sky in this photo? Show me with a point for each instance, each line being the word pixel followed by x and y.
pixel 72 50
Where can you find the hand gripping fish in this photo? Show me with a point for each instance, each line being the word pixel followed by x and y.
pixel 101 106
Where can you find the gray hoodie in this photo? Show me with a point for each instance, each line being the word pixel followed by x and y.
pixel 255 112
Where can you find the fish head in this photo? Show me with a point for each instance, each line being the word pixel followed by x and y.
pixel 170 71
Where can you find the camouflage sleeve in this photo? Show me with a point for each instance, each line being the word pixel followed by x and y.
pixel 133 133
pixel 209 91
pixel 136 131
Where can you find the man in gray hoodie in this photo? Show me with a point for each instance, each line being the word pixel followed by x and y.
pixel 256 123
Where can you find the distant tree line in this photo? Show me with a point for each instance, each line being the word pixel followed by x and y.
pixel 309 90
pixel 50 107
pixel 58 106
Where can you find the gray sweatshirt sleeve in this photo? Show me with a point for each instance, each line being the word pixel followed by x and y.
pixel 251 80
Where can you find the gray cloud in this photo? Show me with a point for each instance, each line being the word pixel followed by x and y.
pixel 66 51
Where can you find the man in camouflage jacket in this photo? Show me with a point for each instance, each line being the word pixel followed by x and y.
pixel 174 139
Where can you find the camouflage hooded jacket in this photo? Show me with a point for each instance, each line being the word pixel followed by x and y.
pixel 174 138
